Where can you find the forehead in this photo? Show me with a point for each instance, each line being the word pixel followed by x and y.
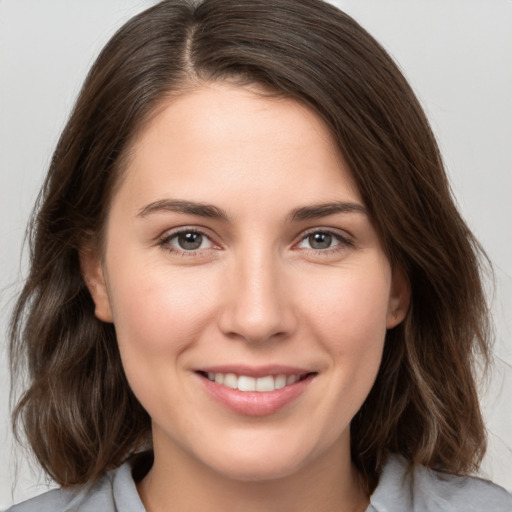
pixel 221 136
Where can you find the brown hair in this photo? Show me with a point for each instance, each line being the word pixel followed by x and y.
pixel 78 412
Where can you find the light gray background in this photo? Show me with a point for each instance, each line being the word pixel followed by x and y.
pixel 456 53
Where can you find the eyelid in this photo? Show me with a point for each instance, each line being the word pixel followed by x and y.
pixel 324 229
pixel 164 239
pixel 345 239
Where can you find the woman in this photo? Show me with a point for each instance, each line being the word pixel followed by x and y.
pixel 250 287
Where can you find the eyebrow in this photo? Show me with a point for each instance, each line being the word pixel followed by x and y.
pixel 180 206
pixel 207 210
pixel 323 210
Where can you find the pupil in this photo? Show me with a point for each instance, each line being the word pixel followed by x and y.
pixel 190 241
pixel 320 240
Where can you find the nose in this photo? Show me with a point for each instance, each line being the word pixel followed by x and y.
pixel 258 303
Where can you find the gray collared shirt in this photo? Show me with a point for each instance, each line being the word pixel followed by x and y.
pixel 399 490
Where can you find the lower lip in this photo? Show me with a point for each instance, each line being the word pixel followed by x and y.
pixel 255 403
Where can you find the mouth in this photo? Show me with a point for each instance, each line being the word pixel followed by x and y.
pixel 248 383
pixel 255 391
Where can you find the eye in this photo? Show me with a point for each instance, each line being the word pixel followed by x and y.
pixel 323 241
pixel 187 241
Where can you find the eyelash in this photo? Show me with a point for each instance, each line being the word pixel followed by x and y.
pixel 164 242
pixel 343 241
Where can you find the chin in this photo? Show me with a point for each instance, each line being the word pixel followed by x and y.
pixel 258 464
pixel 256 470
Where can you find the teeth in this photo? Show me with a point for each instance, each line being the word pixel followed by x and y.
pixel 246 383
pixel 291 379
pixel 230 381
pixel 265 384
pixel 280 381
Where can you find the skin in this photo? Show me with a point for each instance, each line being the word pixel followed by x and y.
pixel 256 292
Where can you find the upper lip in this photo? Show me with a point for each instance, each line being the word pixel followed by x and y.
pixel 255 371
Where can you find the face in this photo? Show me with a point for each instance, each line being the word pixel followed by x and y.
pixel 248 288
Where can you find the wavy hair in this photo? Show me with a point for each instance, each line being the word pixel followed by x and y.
pixel 77 410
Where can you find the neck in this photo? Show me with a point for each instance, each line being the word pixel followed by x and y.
pixel 178 481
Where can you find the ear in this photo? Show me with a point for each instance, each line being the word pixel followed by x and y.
pixel 399 298
pixel 94 276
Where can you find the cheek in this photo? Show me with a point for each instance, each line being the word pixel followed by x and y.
pixel 156 309
pixel 348 317
pixel 350 308
pixel 158 314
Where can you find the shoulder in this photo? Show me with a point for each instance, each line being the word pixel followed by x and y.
pixel 56 499
pixel 419 489
pixel 115 491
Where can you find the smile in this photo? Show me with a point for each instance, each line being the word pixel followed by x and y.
pixel 247 383
pixel 255 392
